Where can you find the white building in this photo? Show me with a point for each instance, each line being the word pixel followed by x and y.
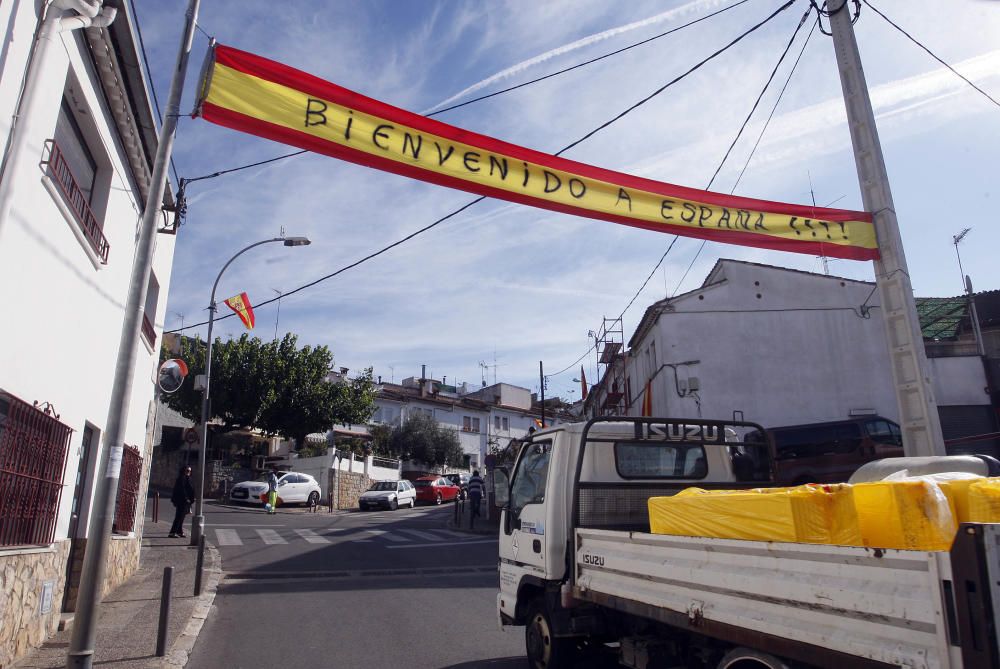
pixel 773 345
pixel 482 418
pixel 75 175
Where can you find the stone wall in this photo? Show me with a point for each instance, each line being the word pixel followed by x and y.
pixel 347 487
pixel 23 574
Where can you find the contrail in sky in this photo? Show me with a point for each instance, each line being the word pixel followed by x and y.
pixel 695 5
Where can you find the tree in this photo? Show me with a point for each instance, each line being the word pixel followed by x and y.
pixel 422 438
pixel 274 387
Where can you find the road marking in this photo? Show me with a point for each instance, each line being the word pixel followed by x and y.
pixel 386 535
pixel 251 525
pixel 228 538
pixel 312 537
pixel 453 533
pixel 271 537
pixel 447 543
pixel 426 536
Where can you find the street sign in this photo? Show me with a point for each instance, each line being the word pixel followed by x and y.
pixel 191 435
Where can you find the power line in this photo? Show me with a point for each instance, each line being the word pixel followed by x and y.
pixel 152 86
pixel 481 198
pixel 746 164
pixel 586 62
pixel 932 54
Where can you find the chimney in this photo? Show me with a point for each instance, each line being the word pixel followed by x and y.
pixel 423 380
pixel 380 379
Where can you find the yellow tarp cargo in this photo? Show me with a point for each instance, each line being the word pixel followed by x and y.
pixel 984 501
pixel 911 515
pixel 804 514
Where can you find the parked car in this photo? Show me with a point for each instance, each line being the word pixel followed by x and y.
pixel 461 480
pixel 293 488
pixel 388 495
pixel 435 489
pixel 828 452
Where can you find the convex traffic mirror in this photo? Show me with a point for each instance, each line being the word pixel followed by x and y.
pixel 171 375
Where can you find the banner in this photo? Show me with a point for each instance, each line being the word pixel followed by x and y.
pixel 265 98
pixel 241 305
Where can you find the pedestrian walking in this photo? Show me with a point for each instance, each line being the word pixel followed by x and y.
pixel 476 488
pixel 182 498
pixel 272 489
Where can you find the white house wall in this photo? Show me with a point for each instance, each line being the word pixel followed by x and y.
pixel 959 381
pixel 758 355
pixel 63 316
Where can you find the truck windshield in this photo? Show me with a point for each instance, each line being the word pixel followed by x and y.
pixel 658 460
pixel 530 477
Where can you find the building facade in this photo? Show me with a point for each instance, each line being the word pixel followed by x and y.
pixel 79 135
pixel 776 347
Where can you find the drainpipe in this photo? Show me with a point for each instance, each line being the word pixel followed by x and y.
pixel 88 14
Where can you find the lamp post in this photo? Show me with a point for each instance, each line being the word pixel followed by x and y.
pixel 198 522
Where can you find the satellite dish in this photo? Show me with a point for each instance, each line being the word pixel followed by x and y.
pixel 170 378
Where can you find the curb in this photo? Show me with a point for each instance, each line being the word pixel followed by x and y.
pixel 180 651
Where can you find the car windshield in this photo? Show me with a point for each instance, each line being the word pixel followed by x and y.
pixel 384 485
pixel 422 484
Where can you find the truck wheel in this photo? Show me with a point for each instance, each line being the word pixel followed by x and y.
pixel 544 650
pixel 744 658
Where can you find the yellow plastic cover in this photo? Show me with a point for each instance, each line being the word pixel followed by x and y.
pixel 984 501
pixel 804 514
pixel 910 515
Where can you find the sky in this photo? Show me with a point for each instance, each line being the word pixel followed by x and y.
pixel 498 288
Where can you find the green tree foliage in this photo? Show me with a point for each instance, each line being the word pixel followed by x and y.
pixel 274 387
pixel 422 438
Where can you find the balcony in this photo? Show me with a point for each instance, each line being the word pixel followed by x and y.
pixel 58 171
pixel 148 331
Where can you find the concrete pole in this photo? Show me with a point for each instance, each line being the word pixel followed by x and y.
pixel 81 649
pixel 918 412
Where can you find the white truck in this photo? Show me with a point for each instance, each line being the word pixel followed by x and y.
pixel 580 570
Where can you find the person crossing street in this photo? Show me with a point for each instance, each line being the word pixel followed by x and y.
pixel 476 488
pixel 272 490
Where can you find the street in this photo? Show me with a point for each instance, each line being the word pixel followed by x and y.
pixel 372 589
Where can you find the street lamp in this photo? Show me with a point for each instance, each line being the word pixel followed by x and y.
pixel 198 522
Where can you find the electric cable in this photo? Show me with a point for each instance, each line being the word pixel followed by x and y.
pixel 932 54
pixel 770 116
pixel 152 86
pixel 785 6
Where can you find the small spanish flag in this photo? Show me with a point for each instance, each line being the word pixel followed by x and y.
pixel 241 305
pixel 539 423
pixel 583 383
pixel 647 399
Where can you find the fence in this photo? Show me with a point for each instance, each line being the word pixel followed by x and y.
pixel 128 491
pixel 33 448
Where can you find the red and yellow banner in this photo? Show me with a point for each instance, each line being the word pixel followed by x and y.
pixel 241 305
pixel 259 96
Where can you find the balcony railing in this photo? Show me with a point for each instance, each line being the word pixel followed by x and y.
pixel 148 331
pixel 58 170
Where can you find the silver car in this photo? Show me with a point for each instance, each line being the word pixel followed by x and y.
pixel 388 495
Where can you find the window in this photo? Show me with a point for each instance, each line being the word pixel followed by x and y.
pixel 149 311
pixel 128 491
pixel 809 442
pixel 530 478
pixel 657 460
pixel 506 423
pixel 78 173
pixel 496 422
pixel 884 432
pixel 33 447
pixel 171 438
pixel 470 424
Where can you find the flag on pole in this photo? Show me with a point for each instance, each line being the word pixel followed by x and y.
pixel 539 423
pixel 583 383
pixel 241 305
pixel 647 399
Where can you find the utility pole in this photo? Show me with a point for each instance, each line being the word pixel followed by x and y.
pixel 918 412
pixel 541 385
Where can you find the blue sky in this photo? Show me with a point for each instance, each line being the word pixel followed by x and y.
pixel 510 285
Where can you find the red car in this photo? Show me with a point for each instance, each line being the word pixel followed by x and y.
pixel 435 489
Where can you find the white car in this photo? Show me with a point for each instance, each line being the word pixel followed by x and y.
pixel 293 488
pixel 388 495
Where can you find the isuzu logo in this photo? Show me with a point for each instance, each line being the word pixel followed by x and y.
pixel 596 560
pixel 683 432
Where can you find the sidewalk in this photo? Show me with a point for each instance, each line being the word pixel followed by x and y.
pixel 128 617
pixel 464 519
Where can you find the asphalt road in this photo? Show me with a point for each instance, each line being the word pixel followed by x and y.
pixel 374 589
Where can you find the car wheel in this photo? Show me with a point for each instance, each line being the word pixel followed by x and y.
pixel 393 505
pixel 437 500
pixel 313 499
pixel 544 650
pixel 413 502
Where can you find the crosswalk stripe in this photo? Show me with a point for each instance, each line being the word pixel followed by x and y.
pixel 426 536
pixel 453 534
pixel 385 535
pixel 271 537
pixel 312 537
pixel 228 538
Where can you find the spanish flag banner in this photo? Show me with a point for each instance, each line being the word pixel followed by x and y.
pixel 265 98
pixel 647 399
pixel 241 305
